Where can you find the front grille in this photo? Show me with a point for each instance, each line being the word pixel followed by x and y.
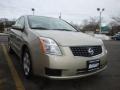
pixel 86 51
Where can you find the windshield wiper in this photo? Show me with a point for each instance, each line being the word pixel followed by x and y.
pixel 39 28
pixel 63 29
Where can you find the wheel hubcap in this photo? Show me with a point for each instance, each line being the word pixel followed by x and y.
pixel 26 63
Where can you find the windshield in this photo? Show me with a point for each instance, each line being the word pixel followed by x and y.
pixel 47 23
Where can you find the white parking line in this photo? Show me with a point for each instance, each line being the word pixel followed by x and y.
pixel 15 76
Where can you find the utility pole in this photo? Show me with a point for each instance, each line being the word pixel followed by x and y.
pixel 100 18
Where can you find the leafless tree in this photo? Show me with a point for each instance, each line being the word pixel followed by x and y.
pixel 91 24
pixel 116 19
pixel 115 25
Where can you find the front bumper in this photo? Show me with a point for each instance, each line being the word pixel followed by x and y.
pixel 76 76
pixel 66 66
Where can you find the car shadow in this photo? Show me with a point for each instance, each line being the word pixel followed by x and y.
pixel 44 83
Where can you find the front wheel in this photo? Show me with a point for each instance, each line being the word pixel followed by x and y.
pixel 26 63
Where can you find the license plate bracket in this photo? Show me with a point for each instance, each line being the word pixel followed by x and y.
pixel 93 64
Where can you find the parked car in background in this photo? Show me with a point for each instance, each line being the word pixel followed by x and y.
pixel 52 48
pixel 118 32
pixel 116 37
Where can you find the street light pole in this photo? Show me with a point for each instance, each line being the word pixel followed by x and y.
pixel 100 22
pixel 100 18
pixel 33 10
pixel 60 16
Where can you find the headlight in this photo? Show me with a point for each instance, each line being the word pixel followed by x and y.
pixel 49 46
pixel 104 48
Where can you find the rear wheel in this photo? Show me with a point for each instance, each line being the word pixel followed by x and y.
pixel 26 64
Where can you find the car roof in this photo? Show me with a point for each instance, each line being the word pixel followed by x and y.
pixel 40 16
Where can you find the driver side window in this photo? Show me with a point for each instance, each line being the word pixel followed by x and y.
pixel 20 22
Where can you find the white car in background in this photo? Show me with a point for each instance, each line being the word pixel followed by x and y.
pixel 102 36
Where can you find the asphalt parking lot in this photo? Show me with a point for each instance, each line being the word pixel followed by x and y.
pixel 11 77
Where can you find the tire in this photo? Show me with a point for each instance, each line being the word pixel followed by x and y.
pixel 27 64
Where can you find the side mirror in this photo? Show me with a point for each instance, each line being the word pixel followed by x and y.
pixel 17 27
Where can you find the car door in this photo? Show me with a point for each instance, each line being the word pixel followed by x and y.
pixel 17 35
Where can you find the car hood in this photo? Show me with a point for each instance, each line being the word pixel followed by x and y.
pixel 69 38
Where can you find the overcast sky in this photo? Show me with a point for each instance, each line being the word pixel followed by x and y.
pixel 72 10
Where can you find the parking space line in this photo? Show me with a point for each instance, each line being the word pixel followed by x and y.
pixel 15 76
